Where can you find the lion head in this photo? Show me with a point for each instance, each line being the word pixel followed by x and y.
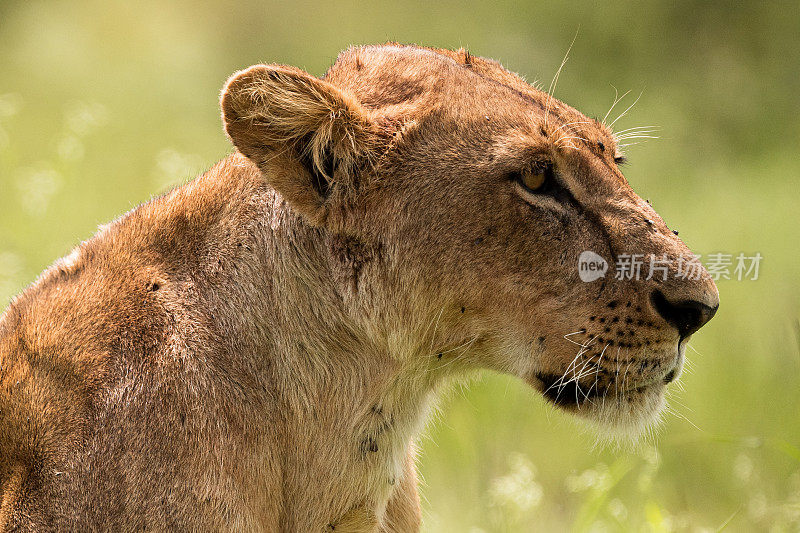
pixel 467 204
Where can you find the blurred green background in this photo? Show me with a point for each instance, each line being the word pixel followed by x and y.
pixel 106 103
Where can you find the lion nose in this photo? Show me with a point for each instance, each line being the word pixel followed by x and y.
pixel 686 315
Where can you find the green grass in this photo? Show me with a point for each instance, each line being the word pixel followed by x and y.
pixel 103 104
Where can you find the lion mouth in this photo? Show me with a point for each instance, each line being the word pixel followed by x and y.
pixel 573 394
pixel 569 393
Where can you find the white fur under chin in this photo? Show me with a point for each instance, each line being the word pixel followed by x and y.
pixel 623 423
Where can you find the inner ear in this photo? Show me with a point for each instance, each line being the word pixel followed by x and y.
pixel 274 113
pixel 321 181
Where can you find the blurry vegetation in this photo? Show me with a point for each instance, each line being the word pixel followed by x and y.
pixel 103 104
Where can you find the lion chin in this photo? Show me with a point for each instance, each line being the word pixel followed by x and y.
pixel 618 418
pixel 625 421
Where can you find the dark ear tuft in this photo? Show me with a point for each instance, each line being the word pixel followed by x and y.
pixel 320 180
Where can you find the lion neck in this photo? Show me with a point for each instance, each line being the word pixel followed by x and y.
pixel 350 395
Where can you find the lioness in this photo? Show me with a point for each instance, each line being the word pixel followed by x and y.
pixel 257 349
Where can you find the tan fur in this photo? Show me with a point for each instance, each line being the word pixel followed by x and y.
pixel 258 349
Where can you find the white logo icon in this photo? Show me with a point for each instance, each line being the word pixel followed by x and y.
pixel 591 266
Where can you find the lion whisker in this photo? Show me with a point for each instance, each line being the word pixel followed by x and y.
pixel 693 349
pixel 571 124
pixel 672 411
pixel 638 128
pixel 628 134
pixel 435 326
pixel 569 137
pixel 639 137
pixel 626 110
pixel 560 383
pixel 554 82
pixel 616 101
pixel 597 369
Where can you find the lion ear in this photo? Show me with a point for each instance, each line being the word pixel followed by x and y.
pixel 307 136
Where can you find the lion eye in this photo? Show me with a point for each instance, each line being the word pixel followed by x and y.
pixel 534 179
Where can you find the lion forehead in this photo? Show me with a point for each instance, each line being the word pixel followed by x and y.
pixel 410 82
